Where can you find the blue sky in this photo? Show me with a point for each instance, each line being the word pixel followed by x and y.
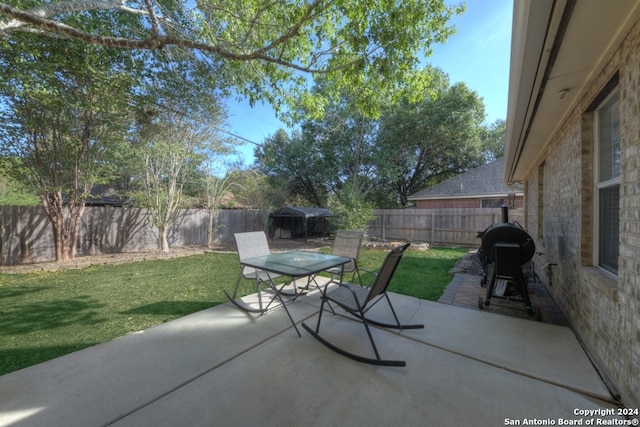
pixel 477 55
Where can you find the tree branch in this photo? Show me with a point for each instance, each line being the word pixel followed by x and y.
pixel 53 9
pixel 39 19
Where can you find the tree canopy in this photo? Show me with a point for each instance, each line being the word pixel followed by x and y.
pixel 413 145
pixel 71 111
pixel 259 49
pixel 427 142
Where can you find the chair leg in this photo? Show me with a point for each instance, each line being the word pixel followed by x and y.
pixel 320 314
pixel 377 361
pixel 397 325
pixel 357 358
pixel 241 304
pixel 373 344
pixel 235 291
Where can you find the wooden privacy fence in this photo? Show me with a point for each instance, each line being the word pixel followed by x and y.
pixel 446 227
pixel 26 236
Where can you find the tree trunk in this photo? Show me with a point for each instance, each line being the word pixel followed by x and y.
pixel 75 220
pixel 164 243
pixel 53 208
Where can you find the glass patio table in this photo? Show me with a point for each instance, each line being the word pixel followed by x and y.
pixel 294 265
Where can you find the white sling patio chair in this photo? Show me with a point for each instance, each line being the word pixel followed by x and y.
pixel 347 244
pixel 250 245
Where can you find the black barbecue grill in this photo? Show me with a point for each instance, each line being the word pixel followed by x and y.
pixel 506 247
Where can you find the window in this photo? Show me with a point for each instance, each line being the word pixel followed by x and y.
pixel 491 203
pixel 608 182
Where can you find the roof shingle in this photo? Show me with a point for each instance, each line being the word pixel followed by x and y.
pixel 482 181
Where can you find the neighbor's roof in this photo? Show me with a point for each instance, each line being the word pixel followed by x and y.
pixel 104 195
pixel 485 181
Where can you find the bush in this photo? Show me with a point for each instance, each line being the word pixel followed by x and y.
pixel 350 210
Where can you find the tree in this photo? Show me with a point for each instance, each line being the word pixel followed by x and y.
pixel 59 123
pixel 369 45
pixel 344 138
pixel 412 146
pixel 295 164
pixel 172 147
pixel 424 143
pixel 216 188
pixel 492 137
pixel 253 191
pixel 326 153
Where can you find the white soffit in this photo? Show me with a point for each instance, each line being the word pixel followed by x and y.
pixel 594 31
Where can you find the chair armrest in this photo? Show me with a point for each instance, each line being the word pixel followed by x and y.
pixel 371 275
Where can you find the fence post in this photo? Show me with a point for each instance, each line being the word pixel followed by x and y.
pixel 384 231
pixel 433 227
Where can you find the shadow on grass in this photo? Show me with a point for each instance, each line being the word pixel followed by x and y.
pixel 20 291
pixel 46 315
pixel 177 308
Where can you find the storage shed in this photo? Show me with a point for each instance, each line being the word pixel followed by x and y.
pixel 292 222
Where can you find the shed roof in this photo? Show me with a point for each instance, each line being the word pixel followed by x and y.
pixel 483 181
pixel 300 212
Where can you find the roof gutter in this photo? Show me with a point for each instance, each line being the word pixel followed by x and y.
pixel 532 56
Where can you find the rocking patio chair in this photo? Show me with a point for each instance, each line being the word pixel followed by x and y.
pixel 358 300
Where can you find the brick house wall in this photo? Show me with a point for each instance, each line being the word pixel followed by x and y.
pixel 603 309
pixel 464 203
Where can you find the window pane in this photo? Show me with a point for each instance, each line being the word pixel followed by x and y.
pixel 609 228
pixel 609 139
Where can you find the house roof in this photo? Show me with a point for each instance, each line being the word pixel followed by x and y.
pixel 557 48
pixel 483 181
pixel 103 195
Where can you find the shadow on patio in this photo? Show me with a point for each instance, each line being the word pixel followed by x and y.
pixel 221 366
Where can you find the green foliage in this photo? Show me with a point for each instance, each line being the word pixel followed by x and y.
pixel 60 122
pixel 171 148
pixel 296 164
pixel 350 210
pixel 413 145
pixel 427 142
pixel 493 140
pixel 373 46
pixel 14 192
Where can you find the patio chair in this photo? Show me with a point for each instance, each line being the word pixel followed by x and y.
pixel 250 245
pixel 357 301
pixel 347 244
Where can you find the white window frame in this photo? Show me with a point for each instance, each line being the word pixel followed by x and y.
pixel 600 185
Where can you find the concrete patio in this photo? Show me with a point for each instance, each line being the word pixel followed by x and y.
pixel 222 367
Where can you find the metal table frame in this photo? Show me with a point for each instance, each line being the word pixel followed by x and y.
pixel 292 264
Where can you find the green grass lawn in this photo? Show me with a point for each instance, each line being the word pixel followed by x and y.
pixel 48 314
